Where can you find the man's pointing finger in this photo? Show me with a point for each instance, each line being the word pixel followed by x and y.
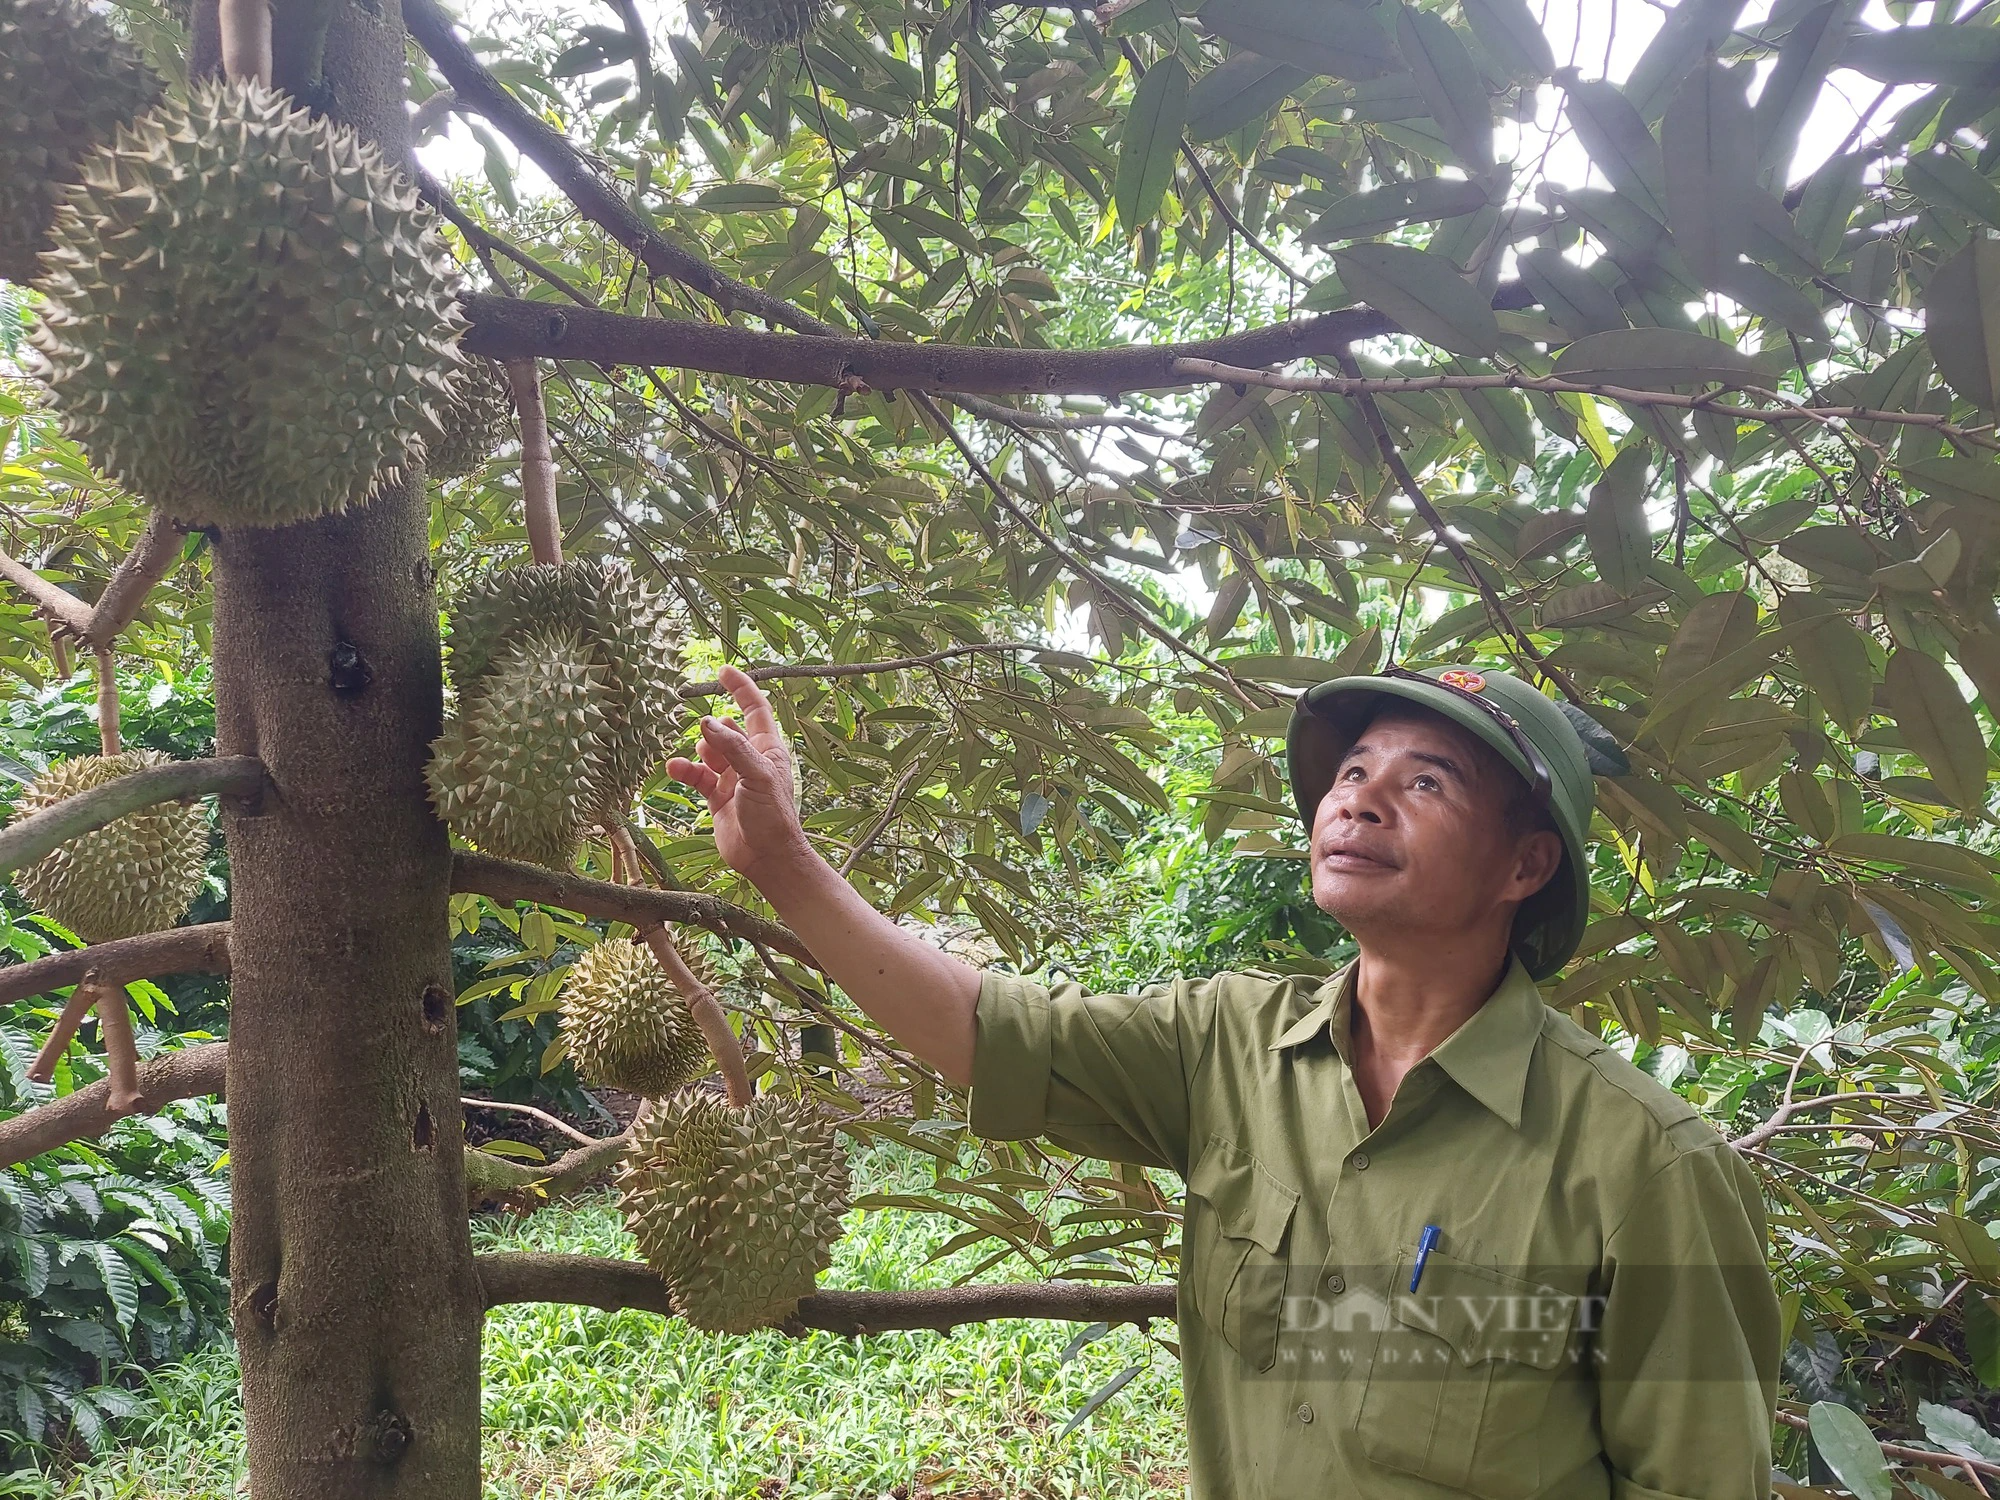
pixel 750 700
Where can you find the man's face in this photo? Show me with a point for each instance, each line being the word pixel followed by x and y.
pixel 1412 838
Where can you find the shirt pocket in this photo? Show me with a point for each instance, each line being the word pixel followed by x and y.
pixel 1477 1383
pixel 1238 1215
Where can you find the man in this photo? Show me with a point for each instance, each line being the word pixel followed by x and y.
pixel 1439 1239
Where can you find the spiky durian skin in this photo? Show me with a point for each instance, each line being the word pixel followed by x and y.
pixel 769 23
pixel 626 1024
pixel 67 81
pixel 137 874
pixel 249 319
pixel 474 420
pixel 496 775
pixel 736 1209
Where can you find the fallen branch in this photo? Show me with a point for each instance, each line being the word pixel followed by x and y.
pixel 507 880
pixel 88 1113
pixel 597 200
pixel 508 328
pixel 590 1281
pixel 202 949
pixel 27 839
pixel 1206 370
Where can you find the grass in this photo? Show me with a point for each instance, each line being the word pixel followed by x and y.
pixel 617 1406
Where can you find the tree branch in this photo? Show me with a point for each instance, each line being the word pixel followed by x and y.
pixel 507 328
pixel 549 149
pixel 589 1281
pixel 508 880
pixel 87 1113
pixel 1907 1455
pixel 538 465
pixel 150 559
pixel 1393 458
pixel 1396 385
pixel 202 949
pixel 27 839
pixel 488 1173
pixel 54 603
pixel 711 688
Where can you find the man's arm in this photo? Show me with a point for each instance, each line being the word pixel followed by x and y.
pixel 925 999
pixel 1689 1340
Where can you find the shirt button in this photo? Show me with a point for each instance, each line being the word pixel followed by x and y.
pixel 1304 1413
pixel 1336 1283
pixel 1361 1161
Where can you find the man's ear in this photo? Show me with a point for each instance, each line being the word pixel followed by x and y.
pixel 1536 860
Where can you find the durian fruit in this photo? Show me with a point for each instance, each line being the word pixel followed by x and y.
pixel 626 1024
pixel 769 23
pixel 137 874
pixel 736 1208
pixel 249 320
pixel 67 81
pixel 475 420
pixel 567 678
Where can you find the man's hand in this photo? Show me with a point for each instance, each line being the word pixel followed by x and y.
pixel 745 772
pixel 927 1000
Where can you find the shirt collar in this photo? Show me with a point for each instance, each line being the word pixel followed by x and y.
pixel 1487 1056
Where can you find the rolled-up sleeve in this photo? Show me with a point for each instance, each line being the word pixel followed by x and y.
pixel 1688 1343
pixel 1104 1075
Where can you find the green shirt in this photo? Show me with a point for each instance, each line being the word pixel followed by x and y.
pixel 1596 1319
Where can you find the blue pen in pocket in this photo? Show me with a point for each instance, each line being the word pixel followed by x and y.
pixel 1426 1242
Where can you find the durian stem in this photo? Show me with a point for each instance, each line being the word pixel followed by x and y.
pixel 620 874
pixel 107 700
pixel 246 39
pixel 59 653
pixel 121 1052
pixel 707 1015
pixel 538 465
pixel 43 1068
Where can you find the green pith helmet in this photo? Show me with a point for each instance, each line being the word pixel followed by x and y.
pixel 1329 718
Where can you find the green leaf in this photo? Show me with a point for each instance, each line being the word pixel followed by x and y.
pixel 1774 300
pixel 1449 81
pixel 1793 87
pixel 1512 37
pixel 1654 359
pixel 1614 521
pixel 1691 31
pixel 1939 726
pixel 1332 37
pixel 1832 658
pixel 1098 1397
pixel 1360 215
pixel 1617 140
pixel 1850 1450
pixel 1945 182
pixel 1719 637
pixel 1241 89
pixel 1964 56
pixel 1577 300
pixel 1948 864
pixel 1150 143
pixel 1959 480
pixel 1958 1433
pixel 1982 1339
pixel 1423 293
pixel 1707 186
pixel 1962 322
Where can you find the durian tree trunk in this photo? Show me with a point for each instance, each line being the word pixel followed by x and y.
pixel 356 1306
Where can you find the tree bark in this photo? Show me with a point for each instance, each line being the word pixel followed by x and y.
pixel 356 1308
